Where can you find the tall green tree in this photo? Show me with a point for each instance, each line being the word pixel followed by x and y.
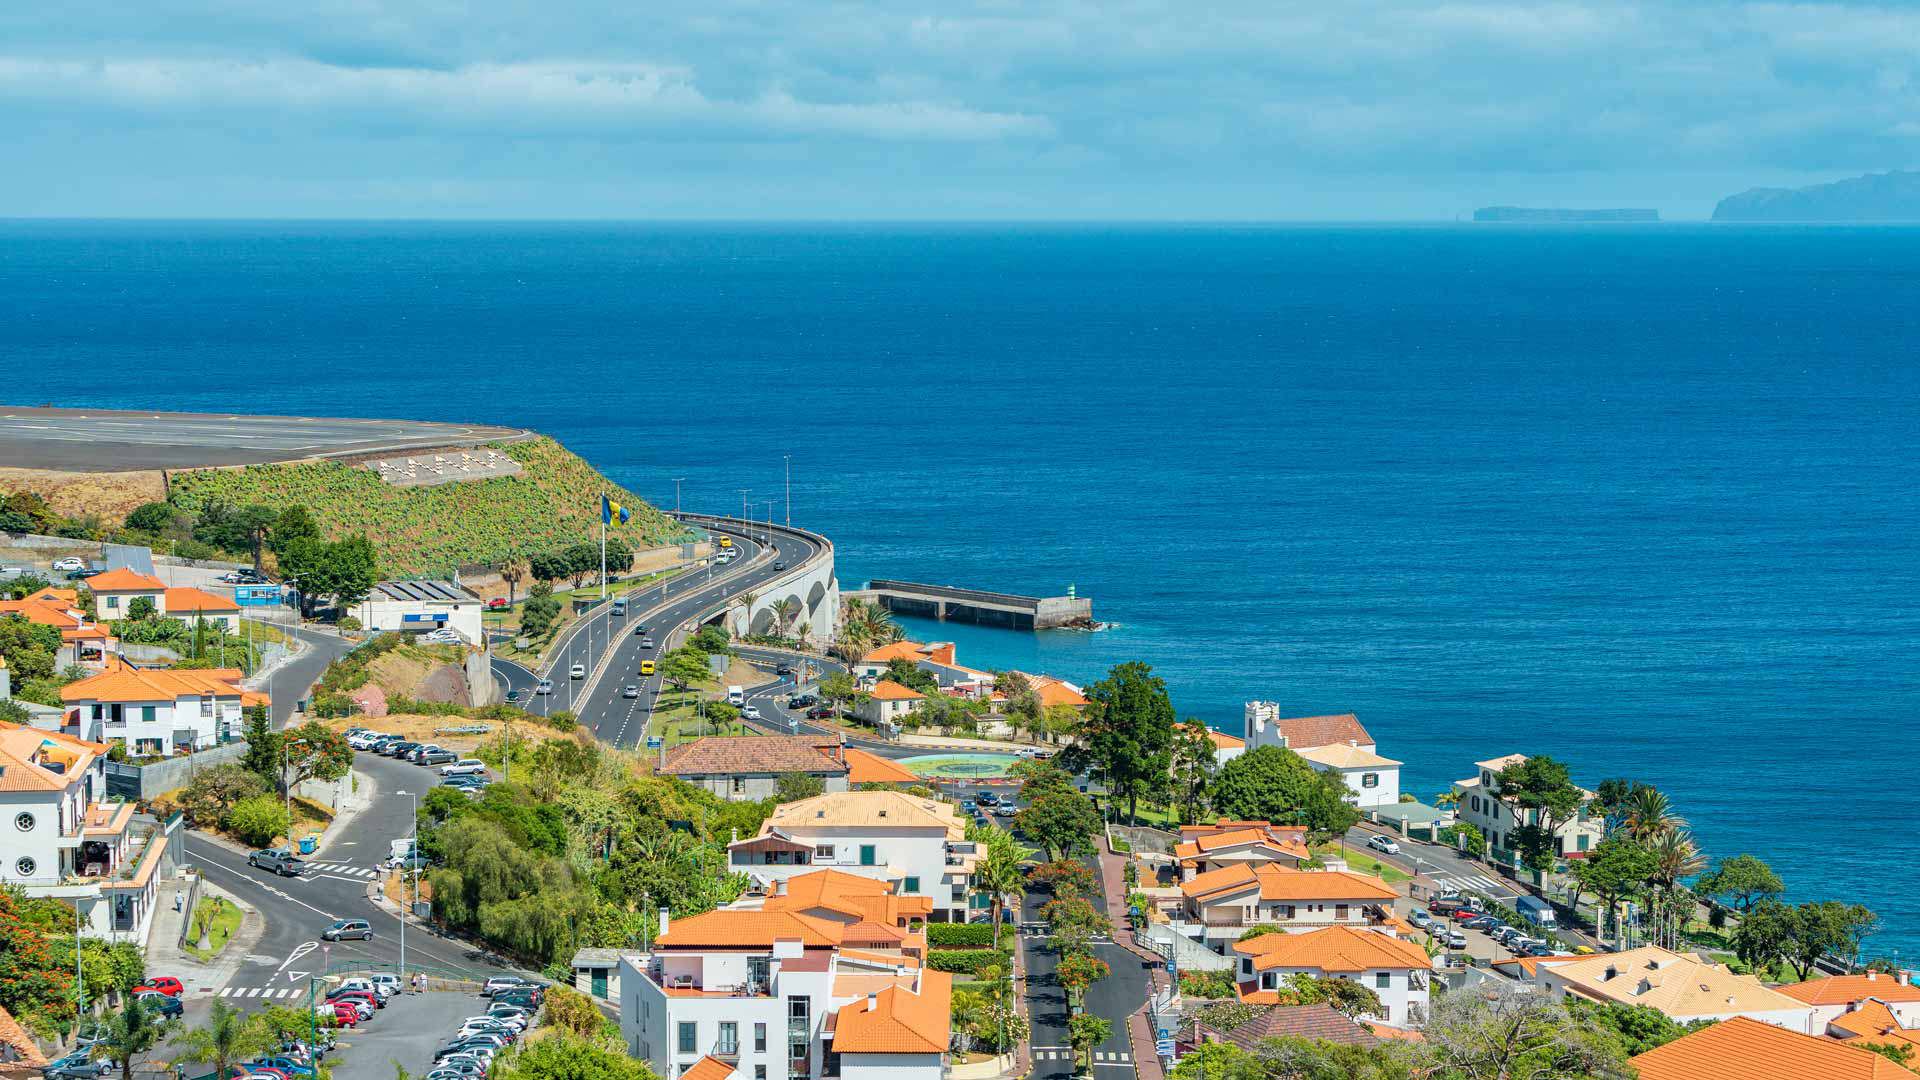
pixel 341 572
pixel 1127 731
pixel 1061 822
pixel 998 873
pixel 263 746
pixel 1743 881
pixel 29 648
pixel 226 1039
pixel 312 751
pixel 1086 1031
pixel 1515 1034
pixel 1543 787
pixel 1616 869
pixel 131 1032
pixel 1193 767
pixel 1270 783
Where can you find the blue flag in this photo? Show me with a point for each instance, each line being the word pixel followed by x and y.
pixel 610 510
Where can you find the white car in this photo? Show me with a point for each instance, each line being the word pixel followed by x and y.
pixel 464 767
pixel 69 564
pixel 1382 843
pixel 577 671
pixel 543 687
pixel 751 712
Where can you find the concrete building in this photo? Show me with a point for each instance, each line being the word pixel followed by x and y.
pixel 887 704
pixel 82 641
pixel 1205 848
pixel 115 591
pixel 1225 747
pixel 1680 985
pixel 918 845
pixel 936 660
pixel 1396 970
pixel 1481 806
pixel 419 606
pixel 1374 780
pixel 748 768
pixel 1220 905
pixel 1831 998
pixel 158 712
pixel 781 995
pixel 67 842
pixel 1337 742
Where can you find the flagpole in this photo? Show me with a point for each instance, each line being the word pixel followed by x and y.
pixel 603 547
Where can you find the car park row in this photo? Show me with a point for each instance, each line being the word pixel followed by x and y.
pixel 464 773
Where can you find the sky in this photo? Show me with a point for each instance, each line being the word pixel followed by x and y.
pixel 1045 109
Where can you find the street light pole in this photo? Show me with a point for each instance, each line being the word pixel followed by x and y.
pixel 410 857
pixel 676 495
pixel 744 492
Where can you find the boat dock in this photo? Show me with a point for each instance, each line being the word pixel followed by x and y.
pixel 949 603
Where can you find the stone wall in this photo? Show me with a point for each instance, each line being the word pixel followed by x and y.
pixel 143 782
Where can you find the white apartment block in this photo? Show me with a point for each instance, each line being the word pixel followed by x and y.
pixel 917 844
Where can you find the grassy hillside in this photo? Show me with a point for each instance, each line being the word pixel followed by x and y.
pixel 554 502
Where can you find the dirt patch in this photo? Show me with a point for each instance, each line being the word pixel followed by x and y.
pixel 742 674
pixel 411 671
pixel 109 494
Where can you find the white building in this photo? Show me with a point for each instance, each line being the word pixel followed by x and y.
pixel 1336 742
pixel 936 660
pixel 1220 905
pixel 1374 780
pixel 408 606
pixel 115 591
pixel 64 841
pixel 1204 848
pixel 1481 806
pixel 917 844
pixel 1831 998
pixel 158 712
pixel 1680 985
pixel 779 995
pixel 1396 970
pixel 887 704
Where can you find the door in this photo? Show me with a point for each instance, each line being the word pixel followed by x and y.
pixel 600 983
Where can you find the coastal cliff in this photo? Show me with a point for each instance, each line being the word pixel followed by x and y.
pixel 1890 196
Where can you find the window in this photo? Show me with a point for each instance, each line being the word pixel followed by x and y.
pixel 869 856
pixel 689 1037
pixel 1371 779
pixel 823 851
pixel 1581 842
pixel 113 603
pixel 1340 912
pixel 759 1072
pixel 913 885
pixel 146 713
pixel 760 1039
pixel 1286 911
pixel 739 784
pixel 206 705
pixel 1383 979
pixel 24 867
pixel 729 1043
pixel 23 822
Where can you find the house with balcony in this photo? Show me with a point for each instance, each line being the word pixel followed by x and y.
pixel 1832 998
pixel 82 641
pixel 936 660
pixel 1203 848
pixel 781 995
pixel 1395 969
pixel 158 712
pixel 1481 806
pixel 915 844
pixel 1220 905
pixel 66 841
pixel 1683 986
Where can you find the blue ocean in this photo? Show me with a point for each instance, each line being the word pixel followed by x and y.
pixel 1639 498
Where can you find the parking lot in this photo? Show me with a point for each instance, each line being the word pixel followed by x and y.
pixel 405 1033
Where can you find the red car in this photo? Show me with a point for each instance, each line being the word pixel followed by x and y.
pixel 1463 914
pixel 164 984
pixel 365 997
pixel 498 603
pixel 345 1014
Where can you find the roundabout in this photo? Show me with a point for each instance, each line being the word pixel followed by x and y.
pixel 960 766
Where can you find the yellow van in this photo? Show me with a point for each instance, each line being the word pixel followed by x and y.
pixel 646 667
pixel 726 542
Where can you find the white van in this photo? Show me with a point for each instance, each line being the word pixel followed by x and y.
pixel 400 849
pixel 736 695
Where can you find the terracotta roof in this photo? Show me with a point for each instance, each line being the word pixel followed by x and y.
pixel 1342 756
pixel 123 683
pixel 121 579
pixel 864 767
pixel 868 900
pixel 708 1068
pixel 1746 1049
pixel 898 650
pixel 1336 949
pixel 718 755
pixel 25 1052
pixel 1304 731
pixel 69 597
pixel 185 599
pixel 107 819
pixel 898 1020
pixel 1199 840
pixel 889 809
pixel 43 612
pixel 888 690
pixel 1285 883
pixel 1680 985
pixel 1302 1022
pixel 735 928
pixel 1225 741
pixel 1847 989
pixel 1499 763
pixel 26 754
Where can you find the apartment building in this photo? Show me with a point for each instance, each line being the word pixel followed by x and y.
pixel 1481 806
pixel 917 845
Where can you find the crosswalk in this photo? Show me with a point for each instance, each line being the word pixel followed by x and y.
pixel 236 992
pixel 343 868
pixel 1475 883
pixel 1100 1057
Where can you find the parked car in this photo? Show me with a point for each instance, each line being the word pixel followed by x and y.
pixel 9 573
pixel 342 1013
pixel 802 701
pixel 498 603
pixel 987 798
pixel 577 671
pixel 1456 939
pixel 162 984
pixel 1462 914
pixel 384 991
pixel 69 563
pixel 820 712
pixel 284 1064
pixel 399 749
pixel 1482 922
pixel 79 1065
pixel 465 767
pixel 630 691
pixel 1383 843
pixel 544 686
pixel 159 1004
pixel 1005 810
pixel 1419 918
pixel 503 982
pixel 343 929
pixel 279 860
pixel 438 757
pixel 82 575
pixel 464 782
pixel 365 997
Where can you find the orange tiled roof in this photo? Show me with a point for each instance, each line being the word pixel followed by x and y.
pixel 1746 1049
pixel 1874 1022
pixel 121 579
pixel 731 928
pixel 122 683
pixel 185 599
pixel 25 753
pixel 1847 989
pixel 868 900
pixel 864 767
pixel 1198 840
pixel 1225 741
pixel 1285 883
pixel 717 755
pixel 69 597
pixel 1335 949
pixel 43 612
pixel 888 690
pixel 898 650
pixel 708 1068
pixel 899 1021
pixel 1305 731
pixel 26 1053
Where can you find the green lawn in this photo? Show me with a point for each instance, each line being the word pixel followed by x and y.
pixel 220 919
pixel 1361 862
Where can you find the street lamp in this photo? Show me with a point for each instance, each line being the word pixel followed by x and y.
pixel 412 857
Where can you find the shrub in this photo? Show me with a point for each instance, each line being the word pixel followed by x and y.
pixel 563 721
pixel 349 624
pixel 965 961
pixel 216 791
pixel 1207 984
pixel 960 935
pixel 257 819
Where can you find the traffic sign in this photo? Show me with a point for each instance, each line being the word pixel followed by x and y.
pixel 1164 1048
pixel 653 742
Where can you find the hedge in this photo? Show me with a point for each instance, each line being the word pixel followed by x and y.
pixel 961 935
pixel 965 961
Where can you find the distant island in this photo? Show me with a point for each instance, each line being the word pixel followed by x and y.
pixel 1535 215
pixel 1890 196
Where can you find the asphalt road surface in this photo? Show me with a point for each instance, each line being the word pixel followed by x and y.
pixel 107 440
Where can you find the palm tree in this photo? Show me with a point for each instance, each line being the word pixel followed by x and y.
pixel 998 875
pixel 969 1008
pixel 513 571
pixel 1676 857
pixel 227 1038
pixel 1649 814
pixel 784 611
pixel 133 1031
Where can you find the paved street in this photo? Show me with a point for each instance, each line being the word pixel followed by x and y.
pixel 1114 998
pixel 405 1033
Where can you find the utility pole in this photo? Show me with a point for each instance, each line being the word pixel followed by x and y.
pixel 770 503
pixel 744 492
pixel 676 495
